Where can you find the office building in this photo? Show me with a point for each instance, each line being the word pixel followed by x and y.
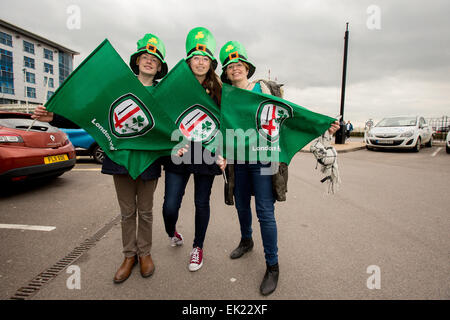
pixel 29 61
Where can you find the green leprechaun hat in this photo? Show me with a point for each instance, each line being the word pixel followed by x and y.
pixel 232 52
pixel 200 41
pixel 153 45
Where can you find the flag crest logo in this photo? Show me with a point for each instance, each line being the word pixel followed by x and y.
pixel 269 118
pixel 198 124
pixel 129 117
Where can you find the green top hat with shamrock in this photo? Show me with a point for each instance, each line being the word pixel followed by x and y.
pixel 153 45
pixel 200 41
pixel 232 52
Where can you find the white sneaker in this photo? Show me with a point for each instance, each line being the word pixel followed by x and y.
pixel 196 261
pixel 176 240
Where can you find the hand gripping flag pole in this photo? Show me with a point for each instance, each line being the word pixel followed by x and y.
pixel 45 97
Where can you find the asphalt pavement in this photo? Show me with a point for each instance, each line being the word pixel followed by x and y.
pixel 383 235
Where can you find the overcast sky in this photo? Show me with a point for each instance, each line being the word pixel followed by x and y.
pixel 399 50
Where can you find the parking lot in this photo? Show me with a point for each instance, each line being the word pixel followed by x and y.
pixel 388 226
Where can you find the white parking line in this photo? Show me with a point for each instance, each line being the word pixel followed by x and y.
pixel 436 152
pixel 26 227
pixel 87 169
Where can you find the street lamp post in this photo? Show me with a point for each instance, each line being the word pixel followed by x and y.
pixel 340 134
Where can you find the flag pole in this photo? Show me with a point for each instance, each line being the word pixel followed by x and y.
pixel 45 97
pixel 340 134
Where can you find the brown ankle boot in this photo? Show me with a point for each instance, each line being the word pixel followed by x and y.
pixel 125 269
pixel 147 266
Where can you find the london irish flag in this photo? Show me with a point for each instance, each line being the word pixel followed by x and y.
pixel 261 127
pixel 104 97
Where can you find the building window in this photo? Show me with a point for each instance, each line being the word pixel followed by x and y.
pixel 31 92
pixel 6 72
pixel 65 66
pixel 28 47
pixel 48 54
pixel 6 39
pixel 6 87
pixel 51 83
pixel 48 68
pixel 28 62
pixel 49 94
pixel 6 76
pixel 30 77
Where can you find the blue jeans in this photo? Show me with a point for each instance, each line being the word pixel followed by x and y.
pixel 173 196
pixel 248 178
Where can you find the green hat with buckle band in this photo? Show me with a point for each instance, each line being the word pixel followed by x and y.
pixel 153 45
pixel 200 41
pixel 232 52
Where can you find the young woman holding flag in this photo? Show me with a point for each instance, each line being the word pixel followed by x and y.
pixel 135 197
pixel 200 47
pixel 252 178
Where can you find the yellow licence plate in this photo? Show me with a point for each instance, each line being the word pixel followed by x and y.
pixel 57 158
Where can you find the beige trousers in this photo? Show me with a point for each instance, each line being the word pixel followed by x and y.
pixel 135 199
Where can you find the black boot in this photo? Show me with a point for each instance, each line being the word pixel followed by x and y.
pixel 244 246
pixel 270 281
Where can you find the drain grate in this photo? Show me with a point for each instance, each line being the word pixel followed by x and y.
pixel 36 284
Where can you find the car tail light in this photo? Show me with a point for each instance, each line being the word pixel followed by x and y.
pixel 66 139
pixel 11 139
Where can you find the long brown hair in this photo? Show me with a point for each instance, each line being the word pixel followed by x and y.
pixel 213 85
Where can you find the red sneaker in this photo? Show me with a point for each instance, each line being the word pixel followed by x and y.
pixel 176 240
pixel 196 261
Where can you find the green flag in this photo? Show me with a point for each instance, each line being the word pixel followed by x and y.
pixel 261 127
pixel 104 97
pixel 189 107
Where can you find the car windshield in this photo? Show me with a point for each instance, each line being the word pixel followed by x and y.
pixel 398 122
pixel 23 124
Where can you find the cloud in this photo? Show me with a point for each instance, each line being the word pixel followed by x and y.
pixel 402 67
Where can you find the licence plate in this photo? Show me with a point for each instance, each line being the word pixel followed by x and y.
pixel 57 158
pixel 387 142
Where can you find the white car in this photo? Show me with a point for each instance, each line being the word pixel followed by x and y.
pixel 402 132
pixel 447 143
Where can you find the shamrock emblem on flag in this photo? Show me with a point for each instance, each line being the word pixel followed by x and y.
pixel 198 124
pixel 129 117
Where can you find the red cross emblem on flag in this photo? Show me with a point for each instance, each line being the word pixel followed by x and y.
pixel 270 116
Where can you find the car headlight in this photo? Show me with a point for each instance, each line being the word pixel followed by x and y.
pixel 407 134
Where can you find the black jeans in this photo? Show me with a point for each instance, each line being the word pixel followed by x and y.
pixel 174 191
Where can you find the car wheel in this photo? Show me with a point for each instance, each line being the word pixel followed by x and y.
pixel 447 149
pixel 429 144
pixel 98 154
pixel 369 148
pixel 418 145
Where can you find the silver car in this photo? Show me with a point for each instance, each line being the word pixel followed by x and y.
pixel 402 132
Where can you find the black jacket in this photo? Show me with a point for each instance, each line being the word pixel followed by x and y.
pixel 189 165
pixel 152 172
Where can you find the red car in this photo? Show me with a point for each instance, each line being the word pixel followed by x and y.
pixel 43 151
